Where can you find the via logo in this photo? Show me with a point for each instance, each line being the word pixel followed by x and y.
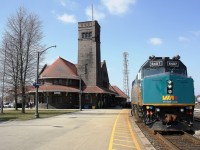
pixel 169 98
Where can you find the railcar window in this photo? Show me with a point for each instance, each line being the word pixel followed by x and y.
pixel 153 71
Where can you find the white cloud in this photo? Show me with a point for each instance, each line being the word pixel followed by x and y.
pixel 155 41
pixel 67 18
pixel 118 6
pixel 97 15
pixel 69 4
pixel 183 39
pixel 196 33
pixel 63 3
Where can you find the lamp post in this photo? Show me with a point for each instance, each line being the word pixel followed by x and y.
pixel 80 93
pixel 37 77
pixel 80 90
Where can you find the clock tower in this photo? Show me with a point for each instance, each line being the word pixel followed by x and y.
pixel 89 55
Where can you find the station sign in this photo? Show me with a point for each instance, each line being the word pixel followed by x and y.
pixel 57 93
pixel 173 63
pixel 156 63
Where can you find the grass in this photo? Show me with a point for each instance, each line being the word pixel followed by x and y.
pixel 10 115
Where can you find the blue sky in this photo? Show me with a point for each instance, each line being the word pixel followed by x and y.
pixel 139 27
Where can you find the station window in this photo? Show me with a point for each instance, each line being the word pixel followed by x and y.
pixel 60 81
pixel 55 81
pixel 86 96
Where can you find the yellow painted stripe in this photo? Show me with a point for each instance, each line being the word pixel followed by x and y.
pixel 124 145
pixel 120 130
pixel 122 140
pixel 133 136
pixel 123 136
pixel 170 104
pixel 112 134
pixel 185 104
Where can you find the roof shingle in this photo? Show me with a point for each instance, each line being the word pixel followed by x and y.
pixel 118 91
pixel 61 68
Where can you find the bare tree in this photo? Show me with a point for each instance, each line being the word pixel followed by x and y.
pixel 22 37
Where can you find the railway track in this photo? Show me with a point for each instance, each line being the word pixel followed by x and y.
pixel 170 140
pixel 180 140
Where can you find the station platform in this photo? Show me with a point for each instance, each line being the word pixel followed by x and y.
pixel 126 135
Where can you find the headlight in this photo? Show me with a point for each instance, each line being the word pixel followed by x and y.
pixel 170 91
pixel 169 86
pixel 158 109
pixel 182 110
pixel 169 82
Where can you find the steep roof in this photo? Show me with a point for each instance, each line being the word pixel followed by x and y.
pixel 60 68
pixel 118 91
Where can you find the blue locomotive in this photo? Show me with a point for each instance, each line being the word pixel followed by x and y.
pixel 162 94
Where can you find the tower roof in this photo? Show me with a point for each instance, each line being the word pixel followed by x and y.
pixel 60 68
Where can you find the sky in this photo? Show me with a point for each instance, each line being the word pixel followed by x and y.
pixel 139 27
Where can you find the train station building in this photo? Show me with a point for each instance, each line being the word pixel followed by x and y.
pixel 63 82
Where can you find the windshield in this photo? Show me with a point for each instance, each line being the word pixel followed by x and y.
pixel 158 70
pixel 153 71
pixel 177 71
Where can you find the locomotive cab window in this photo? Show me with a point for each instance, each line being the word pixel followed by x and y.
pixel 180 71
pixel 153 71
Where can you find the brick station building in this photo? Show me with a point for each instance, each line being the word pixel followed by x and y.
pixel 60 81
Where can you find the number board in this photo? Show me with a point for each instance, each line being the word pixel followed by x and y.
pixel 173 63
pixel 156 63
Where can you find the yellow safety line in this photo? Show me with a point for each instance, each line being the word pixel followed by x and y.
pixel 123 136
pixel 120 132
pixel 122 140
pixel 126 131
pixel 113 131
pixel 133 136
pixel 124 145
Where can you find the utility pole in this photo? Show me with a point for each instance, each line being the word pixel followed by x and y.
pixel 126 75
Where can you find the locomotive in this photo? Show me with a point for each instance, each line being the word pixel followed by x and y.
pixel 162 94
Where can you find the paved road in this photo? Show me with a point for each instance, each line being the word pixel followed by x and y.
pixel 86 130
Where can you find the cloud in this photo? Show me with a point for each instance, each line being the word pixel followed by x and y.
pixel 97 15
pixel 117 7
pixel 196 33
pixel 155 41
pixel 183 39
pixel 69 4
pixel 66 18
pixel 63 3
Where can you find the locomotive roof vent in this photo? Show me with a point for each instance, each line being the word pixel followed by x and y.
pixel 177 57
pixel 152 57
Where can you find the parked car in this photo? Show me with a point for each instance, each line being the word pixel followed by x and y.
pixel 11 105
pixel 6 105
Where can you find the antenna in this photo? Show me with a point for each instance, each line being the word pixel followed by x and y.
pixel 92 13
pixel 126 76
